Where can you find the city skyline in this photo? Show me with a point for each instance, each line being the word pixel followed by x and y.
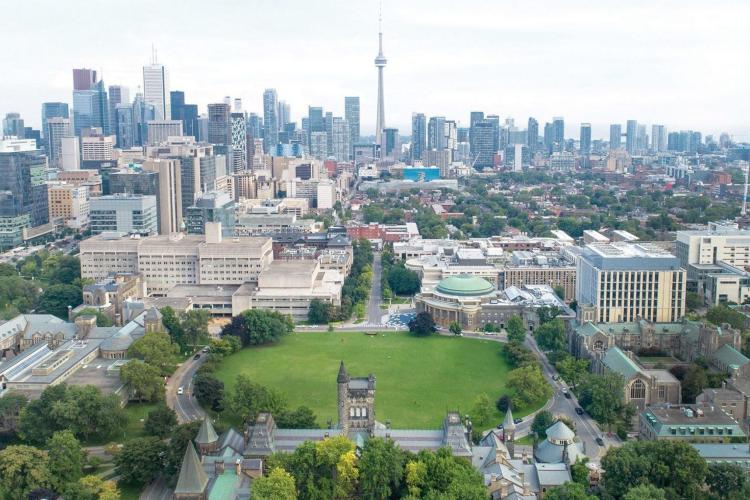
pixel 450 79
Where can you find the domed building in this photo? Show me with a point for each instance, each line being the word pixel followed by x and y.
pixel 559 447
pixel 457 298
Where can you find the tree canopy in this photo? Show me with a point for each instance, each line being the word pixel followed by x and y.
pixel 258 327
pixel 422 324
pixel 515 328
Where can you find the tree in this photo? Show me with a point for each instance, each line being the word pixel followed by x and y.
pixel 603 397
pixel 10 409
pixel 381 468
pixel 172 324
pixel 516 330
pixel 66 458
pixel 155 349
pixel 455 328
pixel 301 418
pixel 726 479
pixel 23 469
pixel 644 492
pixel 320 312
pixel 194 325
pixel 482 409
pixel 258 327
pixel 441 475
pixel 160 421
pixel 209 391
pixel 347 475
pixel 721 314
pixel 56 299
pixel 403 281
pixel 145 381
pixel 141 459
pixel 548 313
pixel 248 399
pixel 573 370
pixel 503 403
pixel 175 451
pixel 422 324
pixel 579 472
pixel 277 485
pixel 693 301
pixel 674 466
pixel 542 421
pixel 517 355
pixel 528 385
pixel 551 335
pixel 694 382
pixel 101 318
pixel 568 491
pixel 92 488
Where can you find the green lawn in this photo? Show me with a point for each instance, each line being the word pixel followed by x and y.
pixel 129 491
pixel 418 379
pixel 135 413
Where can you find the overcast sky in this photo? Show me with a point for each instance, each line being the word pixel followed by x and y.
pixel 683 63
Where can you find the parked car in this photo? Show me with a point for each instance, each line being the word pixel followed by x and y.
pixel 566 393
pixel 517 420
pixel 206 349
pixel 579 411
pixel 555 377
pixel 180 391
pixel 600 441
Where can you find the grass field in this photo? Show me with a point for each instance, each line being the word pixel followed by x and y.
pixel 418 379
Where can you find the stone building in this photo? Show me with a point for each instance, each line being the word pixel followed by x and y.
pixel 356 401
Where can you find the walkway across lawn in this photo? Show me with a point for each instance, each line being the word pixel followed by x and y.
pixel 418 379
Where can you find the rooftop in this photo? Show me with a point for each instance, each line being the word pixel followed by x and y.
pixel 465 285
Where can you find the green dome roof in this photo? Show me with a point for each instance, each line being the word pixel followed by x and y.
pixel 465 285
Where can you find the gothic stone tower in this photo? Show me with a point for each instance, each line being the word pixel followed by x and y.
pixel 356 401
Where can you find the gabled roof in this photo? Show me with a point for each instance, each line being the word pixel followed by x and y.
pixel 206 434
pixel 729 356
pixel 617 361
pixel 193 479
pixel 560 432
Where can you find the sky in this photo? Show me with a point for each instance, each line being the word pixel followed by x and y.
pixel 681 63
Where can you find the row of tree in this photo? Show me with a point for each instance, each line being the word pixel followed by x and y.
pixel 331 469
pixel 395 278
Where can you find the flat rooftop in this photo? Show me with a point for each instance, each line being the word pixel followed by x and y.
pixel 675 415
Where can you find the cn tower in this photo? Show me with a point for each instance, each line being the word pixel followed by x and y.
pixel 380 62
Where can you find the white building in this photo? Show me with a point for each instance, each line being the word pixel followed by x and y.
pixel 70 154
pixel 326 195
pixel 98 147
pixel 56 129
pixel 124 213
pixel 161 130
pixel 156 90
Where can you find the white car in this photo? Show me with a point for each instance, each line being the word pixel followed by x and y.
pixel 180 391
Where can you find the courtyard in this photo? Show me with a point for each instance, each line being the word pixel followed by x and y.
pixel 418 378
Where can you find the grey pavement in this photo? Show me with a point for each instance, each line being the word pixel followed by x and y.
pixel 185 405
pixel 157 490
pixel 374 313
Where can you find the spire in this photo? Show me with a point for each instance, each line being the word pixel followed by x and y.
pixel 380 30
pixel 508 424
pixel 193 479
pixel 207 433
pixel 343 376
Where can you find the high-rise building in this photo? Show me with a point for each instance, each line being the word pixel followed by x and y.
pixel 532 135
pixel 213 206
pixel 558 130
pixel 585 138
pixel 125 130
pixel 628 282
pixel 436 133
pixel 418 136
pixel 83 78
pixel 70 155
pixel 23 191
pixel 315 120
pixel 239 141
pixel 97 147
pixel 90 108
pixel 219 124
pixel 57 128
pixel 505 132
pixel 318 145
pixel 188 113
pixel 549 137
pixel 270 119
pixel 615 136
pixel 641 139
pixel 341 139
pixel 284 114
pixel 123 212
pixel 117 95
pixel 391 144
pixel 143 112
pixel 156 90
pixel 68 203
pixel 53 110
pixel 13 125
pixel 658 138
pixel 631 132
pixel 169 195
pixel 380 62
pixel 351 115
pixel 161 130
pixel 482 137
pixel 329 132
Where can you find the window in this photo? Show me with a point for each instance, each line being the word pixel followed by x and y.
pixel 637 390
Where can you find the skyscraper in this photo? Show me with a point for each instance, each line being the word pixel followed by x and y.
pixel 418 136
pixel 284 114
pixel 13 125
pixel 188 113
pixel 341 139
pixel 329 132
pixel 315 122
pixel 239 141
pixel 219 127
pixel 125 130
pixel 270 119
pixel 156 90
pixel 83 78
pixel 53 110
pixel 436 132
pixel 658 138
pixel 117 95
pixel 90 108
pixel 56 129
pixel 631 131
pixel 532 134
pixel 585 138
pixel 482 139
pixel 380 62
pixel 351 115
pixel 392 146
pixel 615 136
pixel 558 131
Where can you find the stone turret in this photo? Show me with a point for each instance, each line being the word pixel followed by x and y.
pixel 343 383
pixel 509 432
pixel 207 439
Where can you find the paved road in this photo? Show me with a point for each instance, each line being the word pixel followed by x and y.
pixel 157 490
pixel 185 405
pixel 374 313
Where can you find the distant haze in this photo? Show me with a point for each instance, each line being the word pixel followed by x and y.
pixel 683 63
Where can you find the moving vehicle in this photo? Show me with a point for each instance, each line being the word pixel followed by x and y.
pixel 579 411
pixel 197 356
pixel 180 391
pixel 600 441
pixel 517 420
pixel 566 393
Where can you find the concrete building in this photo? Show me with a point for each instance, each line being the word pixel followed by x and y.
pixel 555 269
pixel 156 90
pixel 124 213
pixel 70 154
pixel 176 259
pixel 69 203
pixel 161 130
pixel 273 224
pixel 691 423
pixel 56 129
pixel 625 282
pixel 169 194
pixel 88 178
pixel 214 206
pixel 326 195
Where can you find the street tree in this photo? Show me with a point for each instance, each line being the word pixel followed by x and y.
pixel 209 391
pixel 320 313
pixel 140 460
pixel 528 385
pixel 156 349
pixel 603 397
pixel 515 328
pixel 551 335
pixel 422 324
pixel 542 421
pixel 145 381
pixel 455 328
pixel 66 458
pixel 160 421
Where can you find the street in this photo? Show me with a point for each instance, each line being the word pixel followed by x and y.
pixel 374 314
pixel 185 405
